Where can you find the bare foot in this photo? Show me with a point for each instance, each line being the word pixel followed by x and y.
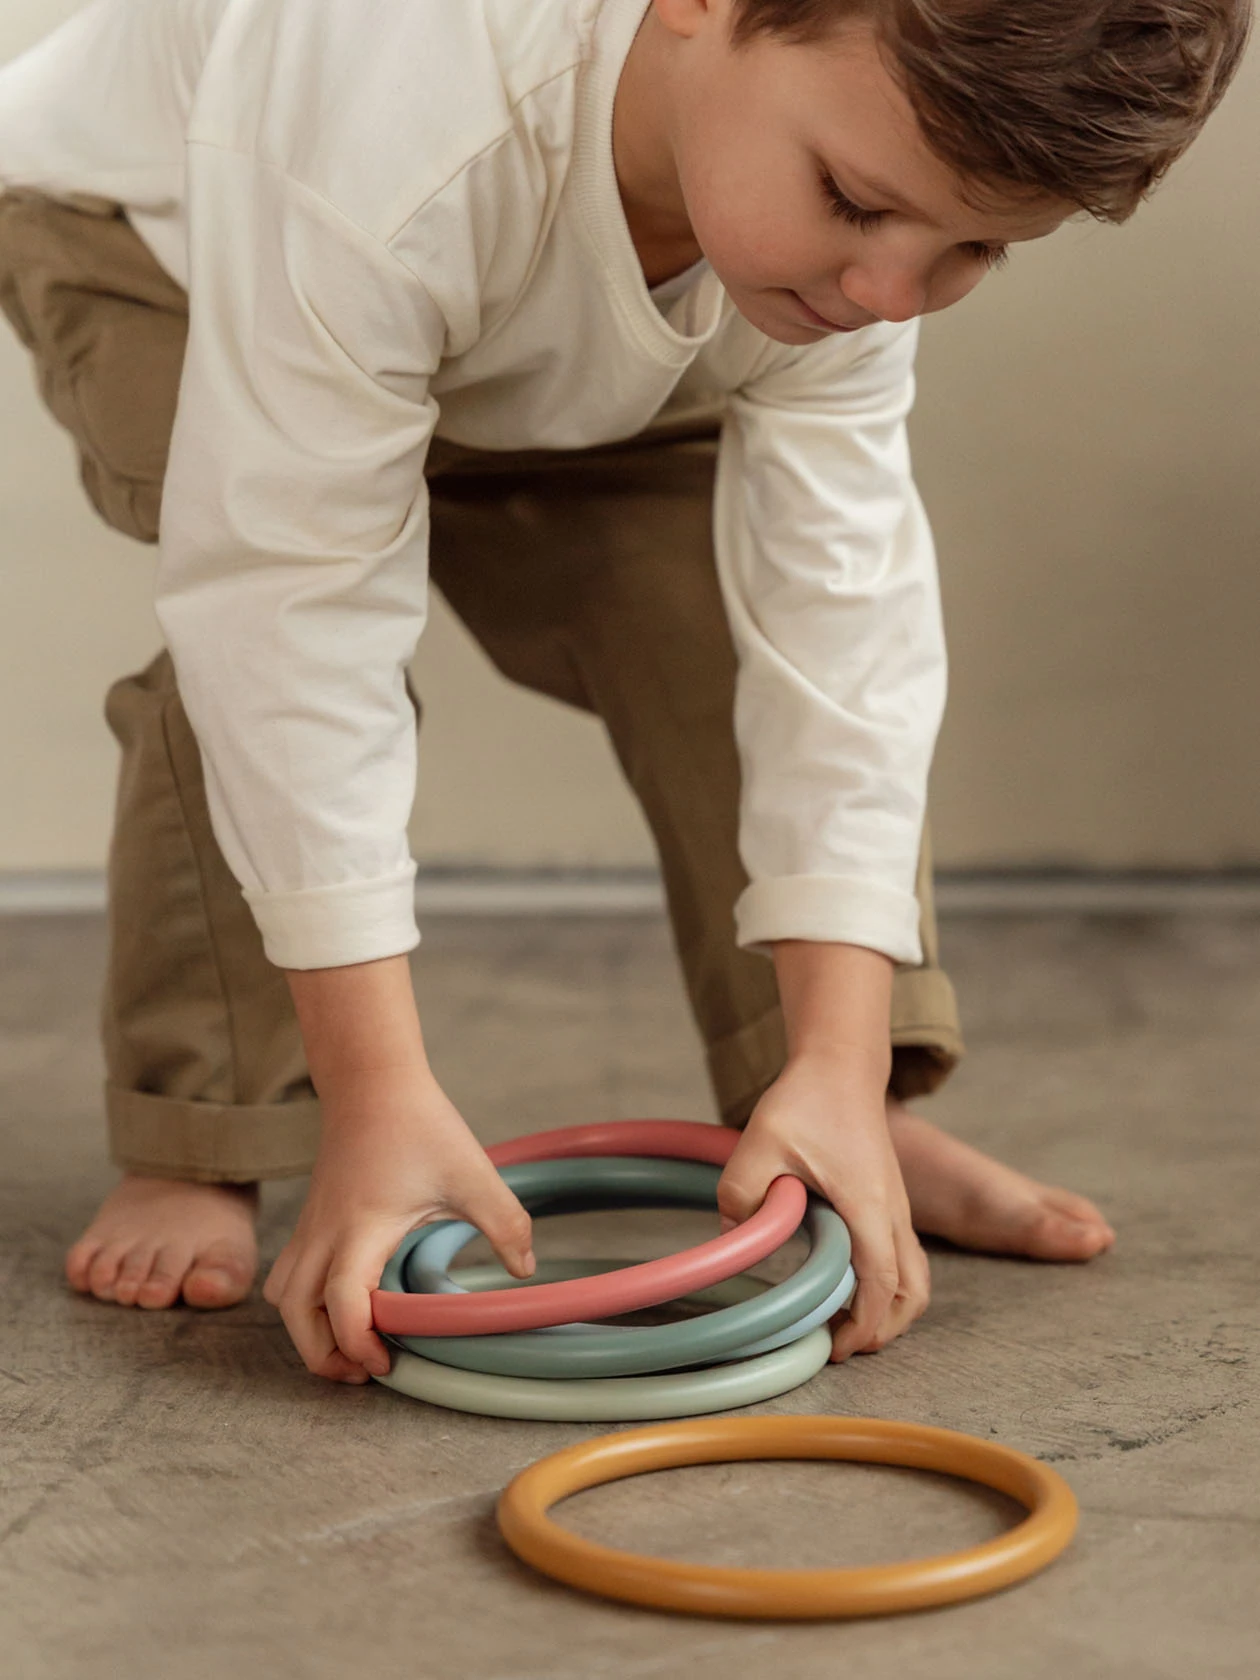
pixel 974 1201
pixel 156 1239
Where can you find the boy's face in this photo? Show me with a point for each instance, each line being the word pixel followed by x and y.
pixel 809 187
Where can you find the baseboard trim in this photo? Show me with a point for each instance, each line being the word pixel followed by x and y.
pixel 492 892
pixel 1098 892
pixel 51 892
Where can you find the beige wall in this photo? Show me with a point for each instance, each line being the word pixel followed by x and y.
pixel 1086 440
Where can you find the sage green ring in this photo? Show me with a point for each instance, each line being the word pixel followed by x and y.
pixel 616 1399
pixel 622 1351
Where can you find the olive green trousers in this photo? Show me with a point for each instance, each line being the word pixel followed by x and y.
pixel 585 575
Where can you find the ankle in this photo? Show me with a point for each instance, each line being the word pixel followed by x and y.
pixel 150 1187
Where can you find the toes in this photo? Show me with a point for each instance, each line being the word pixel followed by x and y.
pixel 220 1277
pixel 133 1272
pixel 166 1275
pixel 102 1274
pixel 1078 1208
pixel 1075 1220
pixel 79 1262
pixel 1061 1236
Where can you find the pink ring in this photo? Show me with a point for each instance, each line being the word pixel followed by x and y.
pixel 674 1140
pixel 494 1311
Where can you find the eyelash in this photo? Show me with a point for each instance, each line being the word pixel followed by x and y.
pixel 866 221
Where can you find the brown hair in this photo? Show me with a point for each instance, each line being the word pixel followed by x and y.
pixel 1088 101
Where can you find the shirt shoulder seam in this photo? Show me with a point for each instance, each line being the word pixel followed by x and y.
pixel 385 241
pixel 484 151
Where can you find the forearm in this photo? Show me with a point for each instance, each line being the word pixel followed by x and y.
pixel 828 576
pixel 359 1025
pixel 836 1004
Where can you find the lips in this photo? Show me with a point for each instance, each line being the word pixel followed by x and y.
pixel 817 320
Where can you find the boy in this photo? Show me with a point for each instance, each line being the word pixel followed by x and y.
pixel 531 249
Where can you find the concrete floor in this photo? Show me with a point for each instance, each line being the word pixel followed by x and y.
pixel 180 1501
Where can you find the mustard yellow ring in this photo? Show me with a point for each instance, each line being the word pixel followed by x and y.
pixel 797 1594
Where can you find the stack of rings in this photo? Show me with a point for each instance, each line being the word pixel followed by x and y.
pixel 481 1341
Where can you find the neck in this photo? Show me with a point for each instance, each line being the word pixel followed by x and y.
pixel 643 157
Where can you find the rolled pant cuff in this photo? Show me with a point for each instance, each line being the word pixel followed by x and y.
pixel 744 1063
pixel 926 1038
pixel 210 1143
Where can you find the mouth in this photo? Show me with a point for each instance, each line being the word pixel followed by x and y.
pixel 817 320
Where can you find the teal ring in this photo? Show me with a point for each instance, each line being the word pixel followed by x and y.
pixel 615 1400
pixel 626 1351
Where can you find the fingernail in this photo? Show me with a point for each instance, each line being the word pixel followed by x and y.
pixel 530 1264
pixel 728 1224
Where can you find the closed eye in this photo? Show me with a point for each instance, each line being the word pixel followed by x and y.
pixel 866 221
pixel 992 256
pixel 843 207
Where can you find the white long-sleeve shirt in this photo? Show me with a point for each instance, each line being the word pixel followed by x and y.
pixel 400 218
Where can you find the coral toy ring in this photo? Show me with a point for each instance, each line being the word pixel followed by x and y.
pixel 645 1285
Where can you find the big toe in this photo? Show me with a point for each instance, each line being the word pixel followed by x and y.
pixel 221 1276
pixel 79 1263
pixel 1062 1233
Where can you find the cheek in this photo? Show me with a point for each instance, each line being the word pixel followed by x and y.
pixel 766 249
pixel 953 285
pixel 746 225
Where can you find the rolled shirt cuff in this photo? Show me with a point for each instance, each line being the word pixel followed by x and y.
pixel 837 909
pixel 332 927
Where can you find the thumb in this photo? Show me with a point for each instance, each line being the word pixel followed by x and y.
pixel 742 1187
pixel 505 1224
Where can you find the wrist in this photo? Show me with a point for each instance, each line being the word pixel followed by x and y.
pixel 375 1085
pixel 853 1065
pixel 379 1116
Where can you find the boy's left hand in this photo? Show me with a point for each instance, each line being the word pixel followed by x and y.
pixel 824 1121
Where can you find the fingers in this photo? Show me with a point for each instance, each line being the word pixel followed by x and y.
pixel 916 1280
pixel 906 1302
pixel 501 1219
pixel 279 1274
pixel 348 1303
pixel 747 1176
pixel 878 1275
pixel 301 1304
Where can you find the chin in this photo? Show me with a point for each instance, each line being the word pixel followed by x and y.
pixel 774 326
pixel 776 323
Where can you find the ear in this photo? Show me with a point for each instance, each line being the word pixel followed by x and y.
pixel 687 18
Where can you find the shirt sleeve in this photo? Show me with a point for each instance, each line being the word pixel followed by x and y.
pixel 829 576
pixel 293 554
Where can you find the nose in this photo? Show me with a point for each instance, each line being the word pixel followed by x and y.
pixel 889 293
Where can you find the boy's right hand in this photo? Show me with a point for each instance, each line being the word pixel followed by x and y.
pixel 395 1154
